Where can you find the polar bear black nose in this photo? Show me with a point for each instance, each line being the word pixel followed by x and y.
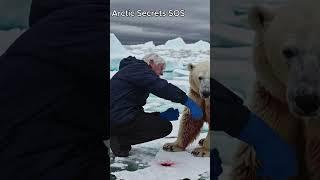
pixel 206 94
pixel 308 103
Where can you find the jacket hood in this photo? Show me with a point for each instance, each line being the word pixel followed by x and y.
pixel 129 61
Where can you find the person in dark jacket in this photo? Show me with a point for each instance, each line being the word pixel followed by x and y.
pixel 129 90
pixel 53 108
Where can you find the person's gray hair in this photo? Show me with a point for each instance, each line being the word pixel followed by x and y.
pixel 155 57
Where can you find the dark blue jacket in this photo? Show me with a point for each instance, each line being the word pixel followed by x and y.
pixel 53 106
pixel 130 88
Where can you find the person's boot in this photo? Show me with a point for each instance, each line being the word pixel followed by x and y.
pixel 118 149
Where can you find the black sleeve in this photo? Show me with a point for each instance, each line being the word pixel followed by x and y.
pixel 228 112
pixel 146 78
pixel 63 52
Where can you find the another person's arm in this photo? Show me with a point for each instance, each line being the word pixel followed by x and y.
pixel 231 116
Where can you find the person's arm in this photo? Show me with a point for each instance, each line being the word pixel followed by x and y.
pixel 223 102
pixel 278 158
pixel 143 77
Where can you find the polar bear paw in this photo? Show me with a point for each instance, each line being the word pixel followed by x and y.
pixel 172 147
pixel 201 152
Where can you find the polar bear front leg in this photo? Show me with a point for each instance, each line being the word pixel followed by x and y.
pixel 188 131
pixel 246 163
pixel 205 142
pixel 312 152
pixel 204 149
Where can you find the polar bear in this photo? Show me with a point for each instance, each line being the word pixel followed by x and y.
pixel 286 93
pixel 189 129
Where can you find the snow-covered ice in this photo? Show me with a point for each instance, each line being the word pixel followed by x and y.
pixel 186 165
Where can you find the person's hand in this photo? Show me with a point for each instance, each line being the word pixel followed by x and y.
pixel 170 114
pixel 278 158
pixel 195 109
pixel 217 164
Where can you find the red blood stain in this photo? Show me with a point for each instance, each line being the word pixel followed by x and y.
pixel 167 163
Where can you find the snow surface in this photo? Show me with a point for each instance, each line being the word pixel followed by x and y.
pixel 186 165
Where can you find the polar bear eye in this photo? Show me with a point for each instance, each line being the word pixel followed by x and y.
pixel 290 52
pixel 200 78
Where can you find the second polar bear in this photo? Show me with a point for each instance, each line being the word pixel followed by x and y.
pixel 287 88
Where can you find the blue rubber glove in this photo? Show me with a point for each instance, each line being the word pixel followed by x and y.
pixel 278 158
pixel 217 167
pixel 195 109
pixel 170 114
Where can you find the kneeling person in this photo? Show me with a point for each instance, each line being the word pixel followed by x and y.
pixel 129 89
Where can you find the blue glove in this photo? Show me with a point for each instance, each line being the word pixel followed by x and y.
pixel 217 168
pixel 196 111
pixel 278 158
pixel 170 114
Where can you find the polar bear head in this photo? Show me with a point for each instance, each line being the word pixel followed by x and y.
pixel 287 54
pixel 199 78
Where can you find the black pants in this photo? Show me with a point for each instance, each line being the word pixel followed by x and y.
pixel 145 127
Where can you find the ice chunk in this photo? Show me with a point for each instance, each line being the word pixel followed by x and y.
pixel 117 52
pixel 144 46
pixel 199 46
pixel 175 44
pixel 149 44
pixel 172 63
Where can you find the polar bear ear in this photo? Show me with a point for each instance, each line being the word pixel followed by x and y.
pixel 259 17
pixel 190 66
